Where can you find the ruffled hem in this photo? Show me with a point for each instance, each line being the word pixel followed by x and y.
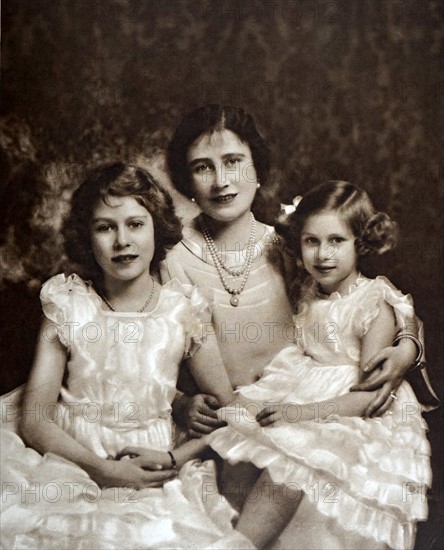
pixel 371 508
pixel 379 467
pixel 49 502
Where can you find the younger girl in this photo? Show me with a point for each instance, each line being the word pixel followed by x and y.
pixel 102 384
pixel 363 481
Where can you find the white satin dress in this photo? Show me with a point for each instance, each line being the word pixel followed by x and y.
pixel 121 381
pixel 364 480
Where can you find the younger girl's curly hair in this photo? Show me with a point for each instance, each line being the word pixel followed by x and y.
pixel 375 232
pixel 118 180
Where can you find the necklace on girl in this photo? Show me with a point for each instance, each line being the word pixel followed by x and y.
pixel 221 266
pixel 145 305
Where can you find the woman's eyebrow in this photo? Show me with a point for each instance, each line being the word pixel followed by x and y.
pixel 228 155
pixel 225 156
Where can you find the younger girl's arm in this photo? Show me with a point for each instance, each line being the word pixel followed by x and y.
pixel 388 367
pixel 380 334
pixel 43 434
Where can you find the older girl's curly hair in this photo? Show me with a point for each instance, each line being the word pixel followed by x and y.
pixel 206 120
pixel 375 232
pixel 118 180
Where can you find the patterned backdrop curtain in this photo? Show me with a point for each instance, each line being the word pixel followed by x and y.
pixel 345 89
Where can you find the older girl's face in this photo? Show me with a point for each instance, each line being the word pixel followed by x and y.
pixel 122 238
pixel 223 176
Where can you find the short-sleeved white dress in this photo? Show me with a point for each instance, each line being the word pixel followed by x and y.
pixel 362 478
pixel 121 381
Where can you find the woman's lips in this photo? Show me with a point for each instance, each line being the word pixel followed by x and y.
pixel 225 199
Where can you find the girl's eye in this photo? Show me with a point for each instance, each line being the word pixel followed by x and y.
pixel 310 241
pixel 337 240
pixel 103 228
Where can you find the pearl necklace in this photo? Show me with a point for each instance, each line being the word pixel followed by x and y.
pixel 145 305
pixel 221 266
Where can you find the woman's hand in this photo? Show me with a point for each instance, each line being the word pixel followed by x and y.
pixel 199 414
pixel 392 363
pixel 134 472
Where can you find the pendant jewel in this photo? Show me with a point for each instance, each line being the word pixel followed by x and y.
pixel 221 266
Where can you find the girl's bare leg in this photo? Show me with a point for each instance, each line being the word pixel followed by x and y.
pixel 236 481
pixel 267 510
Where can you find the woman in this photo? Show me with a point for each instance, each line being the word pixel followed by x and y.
pixel 218 159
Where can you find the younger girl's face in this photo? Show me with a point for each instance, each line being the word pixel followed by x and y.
pixel 122 238
pixel 328 252
pixel 223 176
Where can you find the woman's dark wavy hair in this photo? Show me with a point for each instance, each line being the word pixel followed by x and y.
pixel 375 232
pixel 206 120
pixel 118 180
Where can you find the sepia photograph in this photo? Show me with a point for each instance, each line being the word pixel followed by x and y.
pixel 221 245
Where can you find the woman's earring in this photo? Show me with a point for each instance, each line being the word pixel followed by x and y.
pixel 258 185
pixel 193 199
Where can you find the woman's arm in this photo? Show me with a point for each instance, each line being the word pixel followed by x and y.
pixel 43 434
pixel 209 371
pixel 380 333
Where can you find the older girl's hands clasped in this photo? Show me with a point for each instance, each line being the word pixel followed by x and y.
pixel 137 468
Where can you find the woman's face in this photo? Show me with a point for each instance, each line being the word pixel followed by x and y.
pixel 223 176
pixel 122 238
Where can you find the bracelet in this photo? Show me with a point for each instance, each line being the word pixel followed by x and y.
pixel 173 460
pixel 419 348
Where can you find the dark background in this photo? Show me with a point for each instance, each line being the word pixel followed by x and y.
pixel 349 89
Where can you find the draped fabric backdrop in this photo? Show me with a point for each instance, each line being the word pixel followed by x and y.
pixel 345 89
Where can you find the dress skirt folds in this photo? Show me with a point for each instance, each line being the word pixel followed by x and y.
pixel 362 477
pixel 121 381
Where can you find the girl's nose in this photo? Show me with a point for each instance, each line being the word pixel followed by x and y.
pixel 327 252
pixel 315 251
pixel 121 240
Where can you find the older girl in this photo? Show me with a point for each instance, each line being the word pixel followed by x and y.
pixel 101 387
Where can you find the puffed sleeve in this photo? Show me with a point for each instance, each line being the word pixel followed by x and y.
pixel 381 290
pixel 196 315
pixel 67 301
